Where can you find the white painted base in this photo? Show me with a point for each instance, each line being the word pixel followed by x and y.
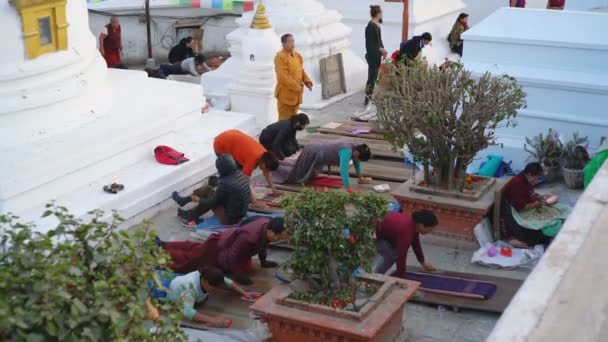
pixel 564 71
pixel 71 149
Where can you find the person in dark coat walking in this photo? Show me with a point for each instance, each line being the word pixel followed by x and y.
pixel 409 50
pixel 374 48
pixel 230 251
pixel 280 137
pixel 229 201
pixel 184 49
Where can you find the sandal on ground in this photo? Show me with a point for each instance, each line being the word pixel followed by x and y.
pixel 113 188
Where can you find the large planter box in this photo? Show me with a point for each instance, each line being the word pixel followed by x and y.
pixel 457 216
pixel 380 320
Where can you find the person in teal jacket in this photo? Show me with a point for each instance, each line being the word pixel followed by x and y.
pixel 315 157
pixel 595 164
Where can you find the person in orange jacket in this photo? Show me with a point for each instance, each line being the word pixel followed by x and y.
pixel 291 78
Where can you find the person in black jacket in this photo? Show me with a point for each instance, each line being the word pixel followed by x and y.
pixel 374 49
pixel 280 137
pixel 229 201
pixel 185 49
pixel 409 50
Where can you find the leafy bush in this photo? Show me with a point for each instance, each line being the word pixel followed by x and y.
pixel 333 235
pixel 445 116
pixel 575 152
pixel 547 150
pixel 81 281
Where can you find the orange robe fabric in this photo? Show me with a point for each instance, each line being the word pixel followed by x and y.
pixel 291 78
pixel 244 149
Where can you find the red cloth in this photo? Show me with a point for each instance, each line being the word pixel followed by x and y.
pixel 519 192
pixel 112 42
pixel 557 3
pixel 112 58
pixel 400 231
pixel 324 181
pixel 230 251
pixel 168 156
pixel 244 149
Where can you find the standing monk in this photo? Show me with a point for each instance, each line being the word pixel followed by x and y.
pixel 374 49
pixel 110 43
pixel 291 78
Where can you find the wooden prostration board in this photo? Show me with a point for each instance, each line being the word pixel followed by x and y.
pixel 506 289
pixel 380 170
pixel 354 184
pixel 380 148
pixel 344 127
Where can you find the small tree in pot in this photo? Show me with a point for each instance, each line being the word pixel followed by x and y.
pixel 576 158
pixel 547 150
pixel 445 116
pixel 333 236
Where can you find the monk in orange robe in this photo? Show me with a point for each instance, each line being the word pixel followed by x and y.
pixel 291 78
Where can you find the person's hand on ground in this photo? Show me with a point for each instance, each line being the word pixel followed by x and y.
pixel 253 295
pixel 243 280
pixel 429 267
pixel 269 264
pixel 308 85
pixel 220 322
pixel 365 180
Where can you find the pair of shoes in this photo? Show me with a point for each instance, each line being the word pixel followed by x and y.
pixel 191 223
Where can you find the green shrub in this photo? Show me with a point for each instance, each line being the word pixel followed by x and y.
pixel 81 281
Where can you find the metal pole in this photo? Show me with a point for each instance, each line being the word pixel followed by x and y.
pixel 406 20
pixel 150 62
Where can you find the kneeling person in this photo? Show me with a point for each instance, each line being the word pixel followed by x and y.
pixel 231 251
pixel 193 288
pixel 280 137
pixel 394 236
pixel 229 201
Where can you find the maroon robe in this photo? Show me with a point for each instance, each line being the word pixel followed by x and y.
pixel 400 231
pixel 230 251
pixel 519 192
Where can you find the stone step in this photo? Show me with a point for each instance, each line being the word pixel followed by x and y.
pixel 148 183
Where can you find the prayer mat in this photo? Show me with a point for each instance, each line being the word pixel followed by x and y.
pixel 325 182
pixel 213 223
pixel 437 283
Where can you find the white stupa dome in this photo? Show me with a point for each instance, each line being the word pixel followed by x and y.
pixel 53 77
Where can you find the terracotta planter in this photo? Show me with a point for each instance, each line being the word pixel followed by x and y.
pixel 457 216
pixel 574 179
pixel 380 320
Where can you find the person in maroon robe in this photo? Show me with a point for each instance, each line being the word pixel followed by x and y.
pixel 230 251
pixel 396 233
pixel 110 43
pixel 519 193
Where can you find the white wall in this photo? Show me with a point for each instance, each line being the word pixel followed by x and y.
pixel 163 31
pixel 357 17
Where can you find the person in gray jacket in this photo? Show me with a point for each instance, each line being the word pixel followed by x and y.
pixel 194 66
pixel 228 199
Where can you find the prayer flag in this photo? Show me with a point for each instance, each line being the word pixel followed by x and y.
pixel 228 5
pixel 217 4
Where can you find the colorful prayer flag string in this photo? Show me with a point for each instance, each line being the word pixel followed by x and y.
pixel 226 5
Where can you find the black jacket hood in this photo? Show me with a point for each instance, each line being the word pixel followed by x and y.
pixel 225 165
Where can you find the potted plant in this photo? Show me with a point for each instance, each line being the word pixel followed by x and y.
pixel 333 237
pixel 445 116
pixel 547 150
pixel 576 158
pixel 81 281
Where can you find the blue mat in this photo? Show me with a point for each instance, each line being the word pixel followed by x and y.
pixel 214 224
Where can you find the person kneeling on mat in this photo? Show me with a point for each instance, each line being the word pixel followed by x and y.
pixel 229 201
pixel 394 236
pixel 193 288
pixel 280 137
pixel 230 251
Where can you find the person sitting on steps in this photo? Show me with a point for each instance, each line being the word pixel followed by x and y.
pixel 229 201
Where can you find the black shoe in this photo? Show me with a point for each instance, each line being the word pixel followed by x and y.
pixel 212 181
pixel 159 243
pixel 183 214
pixel 181 201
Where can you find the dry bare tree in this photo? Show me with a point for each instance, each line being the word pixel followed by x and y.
pixel 445 116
